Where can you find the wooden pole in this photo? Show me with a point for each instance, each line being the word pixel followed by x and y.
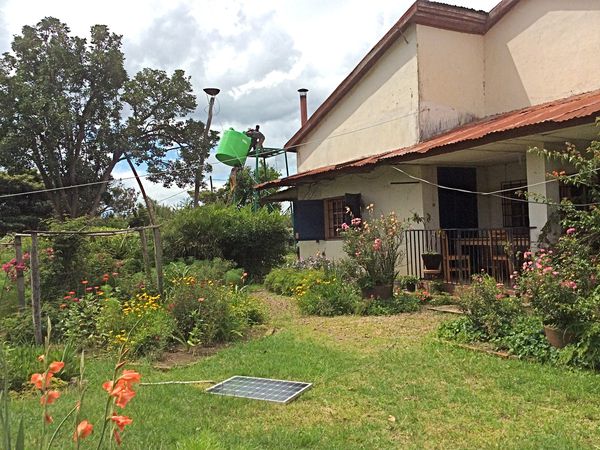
pixel 144 243
pixel 20 277
pixel 158 259
pixel 36 307
pixel 149 206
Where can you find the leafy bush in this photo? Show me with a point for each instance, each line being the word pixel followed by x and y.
pixel 526 339
pixel 287 281
pixel 460 330
pixel 17 328
pixel 79 321
pixel 22 361
pixel 206 312
pixel 203 270
pixel 402 302
pixel 141 323
pixel 488 307
pixel 256 240
pixel 330 297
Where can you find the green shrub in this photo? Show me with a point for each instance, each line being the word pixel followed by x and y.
pixel 207 312
pixel 79 320
pixel 402 302
pixel 141 323
pixel 287 280
pixel 526 339
pixel 17 328
pixel 215 270
pixel 488 308
pixel 22 361
pixel 255 240
pixel 460 330
pixel 330 297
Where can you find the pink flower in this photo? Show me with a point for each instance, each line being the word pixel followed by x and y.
pixel 345 226
pixel 356 222
pixel 377 244
pixel 571 230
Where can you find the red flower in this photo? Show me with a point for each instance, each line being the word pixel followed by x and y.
pixel 85 282
pixel 49 397
pixel 37 379
pixel 88 289
pixel 71 292
pixel 84 429
pixel 48 418
pixel 56 366
pixel 117 437
pixel 121 421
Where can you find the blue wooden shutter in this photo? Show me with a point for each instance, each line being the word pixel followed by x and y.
pixel 309 220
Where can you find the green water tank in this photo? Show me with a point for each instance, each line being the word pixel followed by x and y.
pixel 233 148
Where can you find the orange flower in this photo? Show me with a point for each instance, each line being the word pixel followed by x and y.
pixel 130 376
pixel 124 398
pixel 56 366
pixel 41 358
pixel 48 418
pixel 117 437
pixel 49 397
pixel 37 379
pixel 121 421
pixel 63 306
pixel 84 429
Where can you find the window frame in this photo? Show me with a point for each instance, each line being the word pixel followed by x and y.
pixel 331 232
pixel 509 206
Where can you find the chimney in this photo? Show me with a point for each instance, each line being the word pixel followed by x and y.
pixel 303 109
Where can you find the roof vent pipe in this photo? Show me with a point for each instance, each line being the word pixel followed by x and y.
pixel 303 108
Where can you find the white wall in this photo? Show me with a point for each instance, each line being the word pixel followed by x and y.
pixel 451 79
pixel 378 114
pixel 540 51
pixel 374 187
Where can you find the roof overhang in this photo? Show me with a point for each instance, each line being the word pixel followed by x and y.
pixel 422 12
pixel 569 112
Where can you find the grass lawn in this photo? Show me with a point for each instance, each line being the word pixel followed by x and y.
pixel 379 382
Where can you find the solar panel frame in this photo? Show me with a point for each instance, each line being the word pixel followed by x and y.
pixel 266 389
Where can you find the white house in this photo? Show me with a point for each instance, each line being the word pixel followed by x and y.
pixel 452 97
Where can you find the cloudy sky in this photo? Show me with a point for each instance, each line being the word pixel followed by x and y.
pixel 258 52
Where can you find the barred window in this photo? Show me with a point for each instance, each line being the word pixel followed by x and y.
pixel 334 217
pixel 515 213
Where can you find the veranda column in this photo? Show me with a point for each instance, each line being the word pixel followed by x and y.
pixel 539 213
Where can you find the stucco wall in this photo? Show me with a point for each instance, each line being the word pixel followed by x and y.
pixel 540 51
pixel 374 187
pixel 378 114
pixel 490 179
pixel 451 74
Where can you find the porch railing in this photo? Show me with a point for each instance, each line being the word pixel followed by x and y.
pixel 465 252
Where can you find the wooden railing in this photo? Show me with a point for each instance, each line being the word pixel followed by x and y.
pixel 465 252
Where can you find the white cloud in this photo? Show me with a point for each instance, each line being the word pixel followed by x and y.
pixel 258 52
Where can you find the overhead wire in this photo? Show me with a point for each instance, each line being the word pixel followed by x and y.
pixel 491 194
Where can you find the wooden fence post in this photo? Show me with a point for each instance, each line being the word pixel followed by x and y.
pixel 20 277
pixel 158 259
pixel 145 255
pixel 36 294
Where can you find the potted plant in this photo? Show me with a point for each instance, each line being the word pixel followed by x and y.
pixel 431 260
pixel 408 283
pixel 556 284
pixel 375 245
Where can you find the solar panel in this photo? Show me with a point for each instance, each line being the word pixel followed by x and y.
pixel 278 391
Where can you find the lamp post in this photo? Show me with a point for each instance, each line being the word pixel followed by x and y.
pixel 212 93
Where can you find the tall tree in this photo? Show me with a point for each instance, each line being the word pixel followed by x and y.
pixel 69 110
pixel 20 213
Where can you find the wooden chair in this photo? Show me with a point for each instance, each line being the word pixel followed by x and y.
pixel 453 262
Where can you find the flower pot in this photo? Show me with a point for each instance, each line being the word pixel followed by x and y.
pixel 382 292
pixel 432 261
pixel 557 337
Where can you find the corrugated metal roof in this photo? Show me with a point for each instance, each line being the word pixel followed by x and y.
pixel 552 115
